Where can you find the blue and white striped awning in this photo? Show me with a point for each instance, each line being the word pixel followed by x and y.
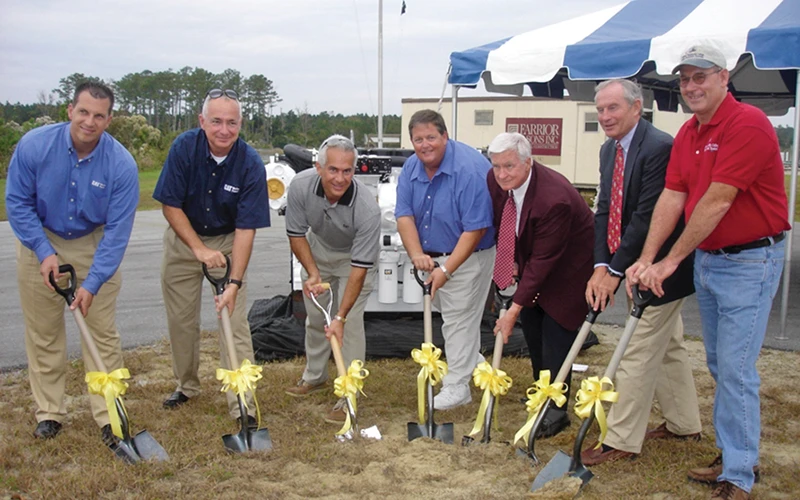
pixel 645 38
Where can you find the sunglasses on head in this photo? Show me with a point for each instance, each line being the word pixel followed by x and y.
pixel 217 93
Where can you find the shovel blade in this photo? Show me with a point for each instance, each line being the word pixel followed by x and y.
pixel 529 454
pixel 239 443
pixel 260 440
pixel 148 448
pixel 557 467
pixel 126 452
pixel 235 443
pixel 441 432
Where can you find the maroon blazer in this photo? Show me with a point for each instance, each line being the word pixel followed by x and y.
pixel 554 249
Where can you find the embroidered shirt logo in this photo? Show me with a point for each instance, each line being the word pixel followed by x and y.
pixel 711 146
pixel 98 184
pixel 231 189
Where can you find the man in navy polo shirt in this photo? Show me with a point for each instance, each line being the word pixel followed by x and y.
pixel 214 195
pixel 444 213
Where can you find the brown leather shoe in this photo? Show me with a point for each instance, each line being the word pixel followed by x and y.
pixel 337 415
pixel 729 491
pixel 661 432
pixel 597 456
pixel 709 475
pixel 303 389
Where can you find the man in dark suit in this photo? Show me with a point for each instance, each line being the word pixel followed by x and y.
pixel 551 247
pixel 633 165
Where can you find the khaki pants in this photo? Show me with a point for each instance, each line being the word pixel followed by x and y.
pixel 461 302
pixel 45 334
pixel 181 283
pixel 334 268
pixel 655 363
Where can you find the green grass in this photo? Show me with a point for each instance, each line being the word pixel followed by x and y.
pixel 147 184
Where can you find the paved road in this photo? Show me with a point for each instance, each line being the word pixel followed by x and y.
pixel 141 317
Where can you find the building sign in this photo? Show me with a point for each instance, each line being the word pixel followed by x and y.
pixel 544 134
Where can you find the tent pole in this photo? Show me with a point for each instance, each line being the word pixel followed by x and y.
pixel 787 262
pixel 454 103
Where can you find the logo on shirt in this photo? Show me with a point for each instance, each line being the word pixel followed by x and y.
pixel 230 189
pixel 711 146
pixel 98 184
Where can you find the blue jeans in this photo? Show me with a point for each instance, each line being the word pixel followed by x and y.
pixel 734 294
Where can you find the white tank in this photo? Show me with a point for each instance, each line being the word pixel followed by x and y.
pixel 412 292
pixel 387 277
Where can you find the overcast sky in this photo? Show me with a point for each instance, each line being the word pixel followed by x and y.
pixel 320 54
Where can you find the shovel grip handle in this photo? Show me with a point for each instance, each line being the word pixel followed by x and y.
pixel 219 284
pixel 426 287
pixel 69 292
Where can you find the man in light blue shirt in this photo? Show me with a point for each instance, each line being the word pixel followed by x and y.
pixel 444 213
pixel 71 195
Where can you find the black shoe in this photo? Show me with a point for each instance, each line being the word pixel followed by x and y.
pixel 175 400
pixel 252 423
pixel 109 439
pixel 552 424
pixel 591 340
pixel 47 429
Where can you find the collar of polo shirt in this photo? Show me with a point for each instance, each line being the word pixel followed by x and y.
pixel 346 199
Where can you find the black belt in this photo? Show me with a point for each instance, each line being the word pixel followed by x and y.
pixel 763 242
pixel 436 255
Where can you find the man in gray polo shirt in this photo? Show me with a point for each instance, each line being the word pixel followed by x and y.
pixel 333 223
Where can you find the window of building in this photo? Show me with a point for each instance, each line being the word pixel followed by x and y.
pixel 484 117
pixel 590 122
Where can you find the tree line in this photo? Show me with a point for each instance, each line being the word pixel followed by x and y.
pixel 152 108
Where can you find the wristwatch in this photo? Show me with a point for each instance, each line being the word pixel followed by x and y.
pixel 235 282
pixel 614 273
pixel 446 272
pixel 340 318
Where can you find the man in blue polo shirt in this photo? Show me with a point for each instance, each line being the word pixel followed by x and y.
pixel 214 193
pixel 444 213
pixel 71 195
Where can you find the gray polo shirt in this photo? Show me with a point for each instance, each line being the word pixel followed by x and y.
pixel 352 225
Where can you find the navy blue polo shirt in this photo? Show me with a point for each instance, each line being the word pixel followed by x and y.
pixel 217 199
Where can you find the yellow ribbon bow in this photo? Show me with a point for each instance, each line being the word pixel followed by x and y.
pixel 591 396
pixel 110 386
pixel 347 386
pixel 241 381
pixel 492 381
pixel 538 394
pixel 433 370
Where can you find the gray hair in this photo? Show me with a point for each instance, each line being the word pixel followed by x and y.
pixel 511 141
pixel 338 142
pixel 631 91
pixel 208 99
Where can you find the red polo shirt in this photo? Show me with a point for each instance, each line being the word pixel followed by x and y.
pixel 737 147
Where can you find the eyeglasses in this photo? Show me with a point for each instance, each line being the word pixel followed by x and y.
pixel 698 78
pixel 217 93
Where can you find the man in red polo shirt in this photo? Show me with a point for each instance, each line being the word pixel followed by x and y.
pixel 726 176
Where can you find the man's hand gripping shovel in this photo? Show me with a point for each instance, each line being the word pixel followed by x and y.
pixel 431 373
pixel 111 386
pixel 349 382
pixel 490 378
pixel 590 404
pixel 239 379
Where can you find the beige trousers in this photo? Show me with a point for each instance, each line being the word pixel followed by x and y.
pixel 334 268
pixel 45 334
pixel 181 283
pixel 655 363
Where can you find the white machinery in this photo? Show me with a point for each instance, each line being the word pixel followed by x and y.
pixel 395 289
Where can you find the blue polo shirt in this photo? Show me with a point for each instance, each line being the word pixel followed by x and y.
pixel 217 198
pixel 455 200
pixel 48 187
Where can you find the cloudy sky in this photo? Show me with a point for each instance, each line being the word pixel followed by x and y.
pixel 320 54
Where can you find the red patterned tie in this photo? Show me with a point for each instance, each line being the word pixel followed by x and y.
pixel 615 207
pixel 506 243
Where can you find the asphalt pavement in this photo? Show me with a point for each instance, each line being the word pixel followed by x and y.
pixel 140 308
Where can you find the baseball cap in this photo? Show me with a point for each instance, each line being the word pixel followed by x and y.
pixel 701 56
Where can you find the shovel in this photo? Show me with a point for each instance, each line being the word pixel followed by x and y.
pixel 566 366
pixel 442 432
pixel 562 464
pixel 134 449
pixel 245 439
pixel 503 301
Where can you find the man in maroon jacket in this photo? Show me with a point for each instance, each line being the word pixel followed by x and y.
pixel 552 252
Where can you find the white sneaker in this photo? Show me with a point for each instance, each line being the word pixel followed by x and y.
pixel 452 396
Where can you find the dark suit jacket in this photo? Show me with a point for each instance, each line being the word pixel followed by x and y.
pixel 645 170
pixel 554 246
